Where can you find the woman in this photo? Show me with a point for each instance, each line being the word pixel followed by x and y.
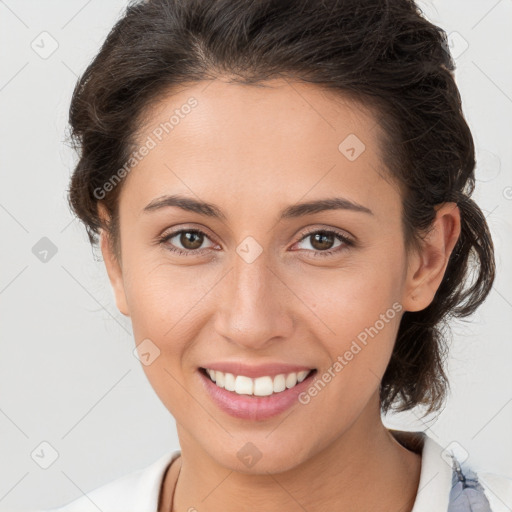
pixel 281 193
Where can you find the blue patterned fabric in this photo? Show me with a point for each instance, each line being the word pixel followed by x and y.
pixel 467 494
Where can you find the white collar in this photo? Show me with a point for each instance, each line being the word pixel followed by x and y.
pixel 149 486
pixel 435 479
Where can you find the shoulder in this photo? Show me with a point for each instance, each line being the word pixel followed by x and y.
pixel 478 489
pixel 498 490
pixel 451 484
pixel 135 491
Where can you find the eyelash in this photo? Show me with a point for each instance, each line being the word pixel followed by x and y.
pixel 316 253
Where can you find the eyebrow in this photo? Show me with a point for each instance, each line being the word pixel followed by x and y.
pixel 294 211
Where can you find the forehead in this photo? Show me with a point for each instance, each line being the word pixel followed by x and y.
pixel 279 107
pixel 281 138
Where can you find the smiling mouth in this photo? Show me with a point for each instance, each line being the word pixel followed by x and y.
pixel 261 386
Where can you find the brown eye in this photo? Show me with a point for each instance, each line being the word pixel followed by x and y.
pixel 323 242
pixel 185 242
pixel 191 239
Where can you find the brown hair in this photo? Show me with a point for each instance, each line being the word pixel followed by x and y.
pixel 383 53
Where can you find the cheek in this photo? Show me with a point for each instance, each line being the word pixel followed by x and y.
pixel 164 297
pixel 348 299
pixel 356 318
pixel 165 302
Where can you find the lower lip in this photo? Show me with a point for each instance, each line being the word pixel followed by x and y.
pixel 255 408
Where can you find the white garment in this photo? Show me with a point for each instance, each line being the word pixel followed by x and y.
pixel 139 491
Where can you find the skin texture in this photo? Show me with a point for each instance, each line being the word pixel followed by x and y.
pixel 253 151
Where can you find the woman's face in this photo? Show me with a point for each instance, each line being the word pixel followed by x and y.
pixel 262 283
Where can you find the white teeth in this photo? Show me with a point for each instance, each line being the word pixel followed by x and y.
pixel 243 385
pixel 261 386
pixel 291 380
pixel 279 383
pixel 229 382
pixel 219 379
pixel 302 375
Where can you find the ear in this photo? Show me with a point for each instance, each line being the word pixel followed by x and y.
pixel 113 267
pixel 427 267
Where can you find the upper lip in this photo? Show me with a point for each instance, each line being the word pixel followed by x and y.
pixel 254 371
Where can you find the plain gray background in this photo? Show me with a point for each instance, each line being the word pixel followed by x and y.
pixel 68 376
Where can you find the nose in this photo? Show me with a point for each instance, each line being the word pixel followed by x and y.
pixel 254 308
